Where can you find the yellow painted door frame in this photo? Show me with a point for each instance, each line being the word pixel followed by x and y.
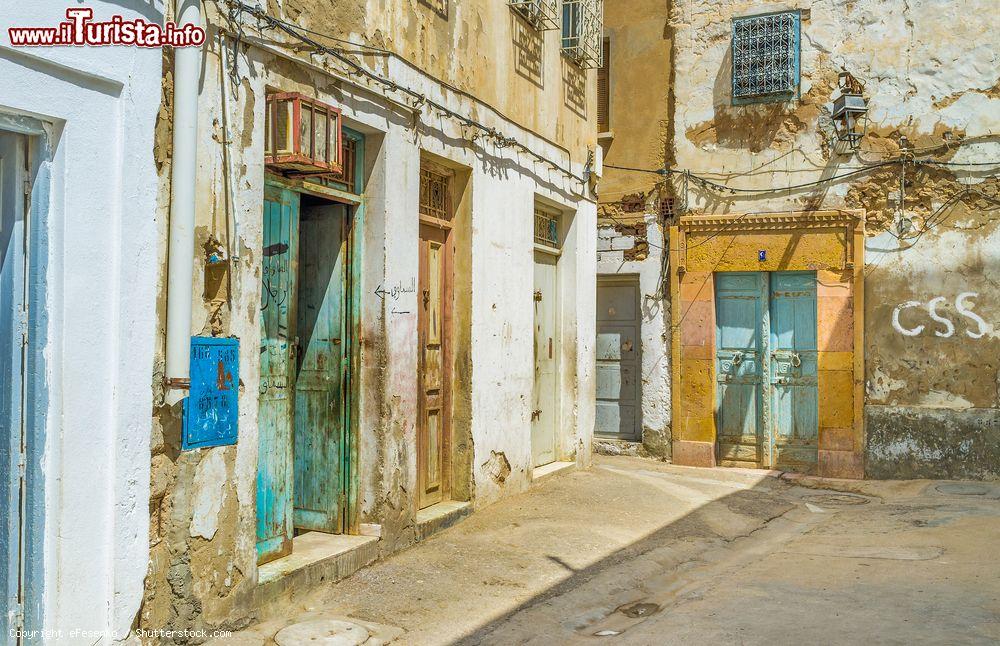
pixel 828 242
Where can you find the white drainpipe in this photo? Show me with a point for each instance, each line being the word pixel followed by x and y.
pixel 180 265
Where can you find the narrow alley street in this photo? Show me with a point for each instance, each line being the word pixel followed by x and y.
pixel 634 551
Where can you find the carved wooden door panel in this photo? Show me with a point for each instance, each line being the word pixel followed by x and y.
pixel 320 397
pixel 434 378
pixel 276 411
pixel 741 304
pixel 794 415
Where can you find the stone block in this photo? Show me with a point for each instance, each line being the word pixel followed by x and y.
pixel 694 454
pixel 836 398
pixel 835 324
pixel 836 439
pixel 841 464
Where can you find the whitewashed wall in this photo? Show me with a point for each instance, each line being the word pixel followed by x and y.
pixel 100 106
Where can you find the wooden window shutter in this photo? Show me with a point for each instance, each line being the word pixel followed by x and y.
pixel 604 90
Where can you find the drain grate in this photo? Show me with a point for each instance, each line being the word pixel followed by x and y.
pixel 637 610
pixel 836 499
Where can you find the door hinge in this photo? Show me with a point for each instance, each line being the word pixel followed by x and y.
pixel 538 295
pixel 27 187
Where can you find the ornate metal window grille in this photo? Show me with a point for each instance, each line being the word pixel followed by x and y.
pixel 546 228
pixel 766 57
pixel 583 32
pixel 542 14
pixel 435 201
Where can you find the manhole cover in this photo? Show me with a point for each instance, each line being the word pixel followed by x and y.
pixel 637 610
pixel 329 632
pixel 836 499
pixel 960 489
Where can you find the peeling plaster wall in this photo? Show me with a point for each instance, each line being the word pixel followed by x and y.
pixel 613 253
pixel 930 76
pixel 475 46
pixel 641 132
pixel 96 269
pixel 203 569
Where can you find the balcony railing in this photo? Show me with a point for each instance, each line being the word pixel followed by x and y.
pixel 583 32
pixel 542 14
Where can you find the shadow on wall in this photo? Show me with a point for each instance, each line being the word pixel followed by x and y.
pixel 527 43
pixel 755 127
pixel 440 7
pixel 574 87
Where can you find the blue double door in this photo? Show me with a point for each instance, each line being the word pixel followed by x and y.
pixel 766 370
pixel 304 370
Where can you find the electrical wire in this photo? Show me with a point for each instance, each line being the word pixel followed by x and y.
pixel 419 99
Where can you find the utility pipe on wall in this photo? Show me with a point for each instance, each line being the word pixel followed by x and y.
pixel 180 263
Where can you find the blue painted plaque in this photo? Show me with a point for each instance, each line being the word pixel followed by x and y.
pixel 762 255
pixel 211 411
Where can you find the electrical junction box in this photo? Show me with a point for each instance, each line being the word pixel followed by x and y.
pixel 211 410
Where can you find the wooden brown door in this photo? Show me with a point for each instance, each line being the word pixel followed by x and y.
pixel 433 329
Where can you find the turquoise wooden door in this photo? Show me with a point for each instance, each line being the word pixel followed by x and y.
pixel 741 308
pixel 320 397
pixel 276 412
pixel 13 323
pixel 794 408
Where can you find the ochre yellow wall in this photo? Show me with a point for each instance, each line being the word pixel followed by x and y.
pixel 475 46
pixel 640 107
pixel 834 257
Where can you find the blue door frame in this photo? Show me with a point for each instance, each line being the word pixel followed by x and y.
pixel 24 218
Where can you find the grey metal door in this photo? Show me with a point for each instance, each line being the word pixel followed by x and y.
pixel 13 338
pixel 619 320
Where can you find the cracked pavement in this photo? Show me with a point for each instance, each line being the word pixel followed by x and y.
pixel 634 551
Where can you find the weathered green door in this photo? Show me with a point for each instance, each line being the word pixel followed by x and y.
pixel 279 270
pixel 794 410
pixel 320 397
pixel 740 354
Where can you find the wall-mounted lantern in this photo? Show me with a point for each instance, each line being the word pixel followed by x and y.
pixel 303 136
pixel 850 110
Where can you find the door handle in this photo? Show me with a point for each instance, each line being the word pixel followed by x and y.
pixel 550 347
pixel 536 414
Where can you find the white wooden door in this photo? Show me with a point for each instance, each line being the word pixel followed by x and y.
pixel 545 397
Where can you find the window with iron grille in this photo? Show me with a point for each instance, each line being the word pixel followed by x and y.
pixel 546 228
pixel 766 57
pixel 583 32
pixel 542 14
pixel 435 201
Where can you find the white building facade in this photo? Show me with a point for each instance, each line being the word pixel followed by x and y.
pixel 79 248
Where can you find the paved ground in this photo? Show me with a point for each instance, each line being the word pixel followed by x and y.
pixel 638 552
